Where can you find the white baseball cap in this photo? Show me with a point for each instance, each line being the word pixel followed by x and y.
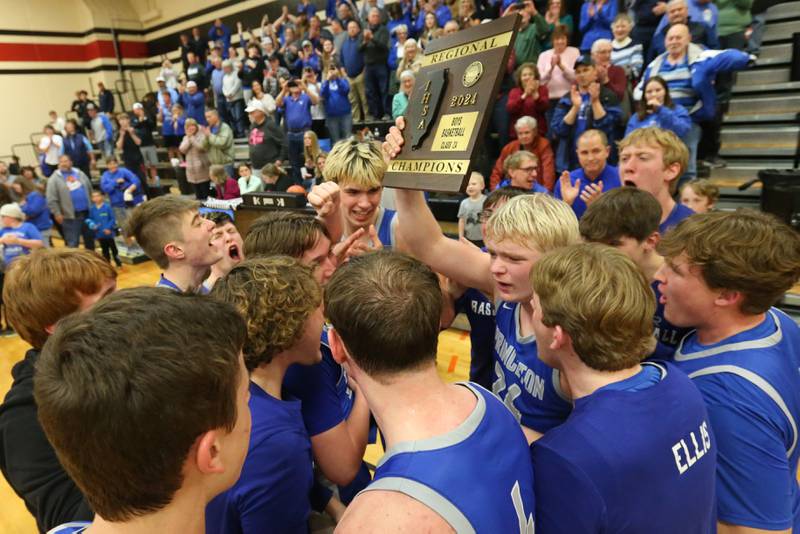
pixel 255 105
pixel 191 83
pixel 138 105
pixel 12 210
pixel 160 79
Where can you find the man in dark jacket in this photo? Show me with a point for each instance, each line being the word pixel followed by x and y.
pixel 105 98
pixel 375 47
pixel 267 141
pixel 36 302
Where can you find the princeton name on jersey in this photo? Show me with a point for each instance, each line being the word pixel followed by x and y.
pixel 534 384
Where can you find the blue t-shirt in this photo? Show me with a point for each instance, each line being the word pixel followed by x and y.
pixel 678 213
pixel 635 456
pixel 528 387
pixel 104 218
pixel 668 336
pixel 272 492
pixel 78 193
pixel 480 314
pixel 169 284
pixel 24 231
pixel 450 473
pixel 609 176
pixel 297 113
pixel 751 385
pixel 36 211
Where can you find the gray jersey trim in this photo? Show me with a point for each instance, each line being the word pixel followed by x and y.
pixel 763 343
pixel 761 384
pixel 518 327
pixel 427 496
pixel 457 435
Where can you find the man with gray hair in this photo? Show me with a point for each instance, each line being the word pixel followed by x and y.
pixel 608 75
pixel 528 138
pixel 234 97
pixel 375 47
pixel 678 13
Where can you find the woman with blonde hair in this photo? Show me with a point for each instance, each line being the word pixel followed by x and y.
pixel 196 159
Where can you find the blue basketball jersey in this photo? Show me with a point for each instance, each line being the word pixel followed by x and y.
pixel 528 387
pixel 480 314
pixel 385 228
pixel 751 385
pixel 668 336
pixel 678 213
pixel 493 495
pixel 635 456
pixel 75 527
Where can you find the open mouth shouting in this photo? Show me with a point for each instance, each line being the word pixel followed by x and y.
pixel 234 253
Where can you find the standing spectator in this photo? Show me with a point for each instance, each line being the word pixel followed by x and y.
pixel 217 75
pixel 295 102
pixel 171 129
pixel 556 16
pixel 78 148
pixel 375 47
pixel 440 12
pixel 532 33
pixel 68 191
pixel 119 183
pixel 184 49
pixel 233 97
pixel 264 97
pixel 81 107
pixel 400 100
pixel 193 101
pixel 225 187
pixel 329 55
pixel 411 58
pixel 335 96
pixel 50 147
pixel 310 152
pixel 267 141
pixel 218 141
pixel 430 31
pixel 168 75
pixel 105 227
pixel 309 58
pixel 195 72
pixel 588 106
pixel 164 87
pixel 556 67
pixel 199 44
pixel 252 68
pixel 102 130
pixel 197 165
pixel 144 126
pixel 529 98
pixel 249 182
pixel 318 109
pixel 338 29
pixel 58 123
pixel 625 52
pixel 647 14
pixel 469 211
pixel 105 98
pixel 690 73
pixel 528 139
pixel 585 184
pixel 275 73
pixel 220 35
pixel 656 108
pixel 17 237
pixel 608 74
pixel 353 63
pixel 596 18
pixel 678 13
pixel 128 142
pixel 34 206
pixel 398 34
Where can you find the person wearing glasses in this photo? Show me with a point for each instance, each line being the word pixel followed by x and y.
pixel 522 170
pixel 584 185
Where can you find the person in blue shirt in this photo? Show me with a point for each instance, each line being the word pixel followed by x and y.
pixel 78 147
pixel 194 101
pixel 723 273
pixel 522 170
pixel 335 98
pixel 173 234
pixel 220 35
pixel 34 206
pixel 595 22
pixel 105 226
pixel 637 453
pixel 584 185
pixel 385 309
pixel 295 101
pixel 352 60
pixel 516 236
pixel 161 407
pixel 334 412
pixel 282 305
pixel 438 8
pixel 123 189
pixel 588 106
pixel 16 236
pixel 652 159
pixel 656 108
pixel 67 193
pixel 627 219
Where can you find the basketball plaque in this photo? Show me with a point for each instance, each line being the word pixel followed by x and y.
pixel 451 105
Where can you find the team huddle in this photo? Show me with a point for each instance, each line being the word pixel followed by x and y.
pixel 636 376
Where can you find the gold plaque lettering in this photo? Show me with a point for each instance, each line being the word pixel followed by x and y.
pixel 467 49
pixel 454 132
pixel 421 125
pixel 426 97
pixel 424 166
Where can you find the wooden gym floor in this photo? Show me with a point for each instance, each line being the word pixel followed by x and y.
pixel 453 363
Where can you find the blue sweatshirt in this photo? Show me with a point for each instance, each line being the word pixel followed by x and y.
pixel 104 218
pixel 36 211
pixel 334 96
